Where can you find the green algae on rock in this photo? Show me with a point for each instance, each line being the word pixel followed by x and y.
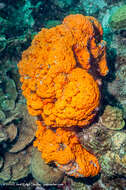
pixel 118 19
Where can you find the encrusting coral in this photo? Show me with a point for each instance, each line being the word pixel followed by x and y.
pixel 60 81
pixel 112 118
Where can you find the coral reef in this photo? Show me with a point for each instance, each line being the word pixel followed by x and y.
pixel 117 87
pixel 110 148
pixel 107 144
pixel 15 139
pixel 110 143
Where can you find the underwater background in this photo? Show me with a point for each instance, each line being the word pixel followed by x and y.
pixel 21 165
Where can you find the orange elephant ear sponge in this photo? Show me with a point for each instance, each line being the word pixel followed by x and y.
pixel 54 72
pixel 64 149
pixel 87 33
pixel 59 73
pixel 76 103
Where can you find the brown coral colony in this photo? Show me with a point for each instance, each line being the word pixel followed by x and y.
pixel 58 84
